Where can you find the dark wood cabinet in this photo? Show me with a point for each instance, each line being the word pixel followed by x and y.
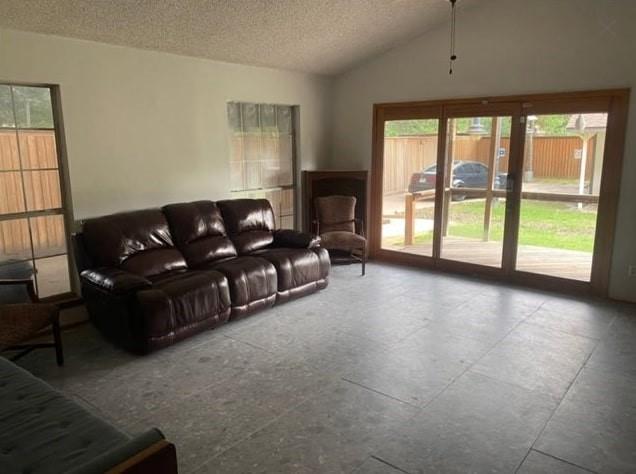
pixel 333 182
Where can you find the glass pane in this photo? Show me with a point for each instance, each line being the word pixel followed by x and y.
pixel 237 175
pixel 249 114
pixel 42 190
pixel 9 157
pixel 556 238
pixel 11 193
pixel 282 201
pixel 286 222
pixel 287 204
pixel 15 243
pixel 474 198
pixel 284 118
pixel 408 197
pixel 268 119
pixel 564 153
pixel 563 156
pixel 6 107
pixel 37 149
pixel 234 116
pixel 33 107
pixel 15 294
pixel 48 234
pixel 253 174
pixel 52 276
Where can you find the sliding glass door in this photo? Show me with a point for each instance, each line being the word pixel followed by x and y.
pixel 523 187
pixel 408 185
pixel 561 182
pixel 475 177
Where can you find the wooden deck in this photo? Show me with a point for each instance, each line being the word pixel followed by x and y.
pixel 570 264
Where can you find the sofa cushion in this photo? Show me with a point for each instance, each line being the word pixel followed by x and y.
pixel 250 279
pixel 41 431
pixel 139 242
pixel 179 300
pixel 336 213
pixel 294 267
pixel 199 232
pixel 250 223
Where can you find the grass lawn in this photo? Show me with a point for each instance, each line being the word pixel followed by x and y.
pixel 543 224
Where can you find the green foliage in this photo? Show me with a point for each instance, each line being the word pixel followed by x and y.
pixel 546 125
pixel 405 128
pixel 552 124
pixel 32 107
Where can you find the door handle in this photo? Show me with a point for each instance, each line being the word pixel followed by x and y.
pixel 510 183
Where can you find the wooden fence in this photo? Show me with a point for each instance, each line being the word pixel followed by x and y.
pixel 36 188
pixel 553 157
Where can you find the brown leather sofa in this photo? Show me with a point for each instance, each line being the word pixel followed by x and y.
pixel 153 277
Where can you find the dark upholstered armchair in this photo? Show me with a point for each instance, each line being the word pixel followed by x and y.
pixel 341 233
pixel 21 322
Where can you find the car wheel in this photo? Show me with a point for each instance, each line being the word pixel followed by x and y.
pixel 458 197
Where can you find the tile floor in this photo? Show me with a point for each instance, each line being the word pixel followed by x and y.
pixel 400 371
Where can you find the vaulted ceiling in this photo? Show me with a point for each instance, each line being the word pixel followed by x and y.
pixel 317 36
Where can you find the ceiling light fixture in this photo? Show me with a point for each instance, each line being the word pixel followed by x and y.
pixel 453 56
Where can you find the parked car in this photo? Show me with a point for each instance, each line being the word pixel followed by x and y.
pixel 466 174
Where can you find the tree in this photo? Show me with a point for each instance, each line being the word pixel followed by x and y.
pixel 32 107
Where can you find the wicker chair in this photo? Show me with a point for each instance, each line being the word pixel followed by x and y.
pixel 341 233
pixel 22 322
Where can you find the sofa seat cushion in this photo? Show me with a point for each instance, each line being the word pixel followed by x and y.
pixel 294 267
pixel 182 300
pixel 41 431
pixel 250 279
pixel 342 240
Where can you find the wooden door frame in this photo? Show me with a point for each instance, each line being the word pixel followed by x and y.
pixel 613 101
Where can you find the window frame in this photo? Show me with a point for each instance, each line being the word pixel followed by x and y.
pixel 66 209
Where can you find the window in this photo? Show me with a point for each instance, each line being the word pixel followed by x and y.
pixel 32 216
pixel 262 156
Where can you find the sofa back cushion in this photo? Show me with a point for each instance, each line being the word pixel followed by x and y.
pixel 250 223
pixel 199 232
pixel 139 242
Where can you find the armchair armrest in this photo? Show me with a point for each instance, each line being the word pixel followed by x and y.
pixel 114 280
pixel 295 239
pixel 28 282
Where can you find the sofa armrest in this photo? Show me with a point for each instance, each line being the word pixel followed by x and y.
pixel 295 239
pixel 148 452
pixel 114 280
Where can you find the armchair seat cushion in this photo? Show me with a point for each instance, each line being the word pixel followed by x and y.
pixel 19 322
pixel 342 240
pixel 252 282
pixel 182 304
pixel 294 267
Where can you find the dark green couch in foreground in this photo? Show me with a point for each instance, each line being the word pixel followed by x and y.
pixel 42 432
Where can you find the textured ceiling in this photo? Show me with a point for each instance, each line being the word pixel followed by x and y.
pixel 319 36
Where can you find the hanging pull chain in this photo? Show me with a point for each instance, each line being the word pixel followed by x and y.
pixel 453 56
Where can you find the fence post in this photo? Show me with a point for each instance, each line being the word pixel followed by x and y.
pixel 409 218
pixel 495 138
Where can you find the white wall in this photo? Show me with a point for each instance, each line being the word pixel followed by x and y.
pixel 146 128
pixel 506 47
